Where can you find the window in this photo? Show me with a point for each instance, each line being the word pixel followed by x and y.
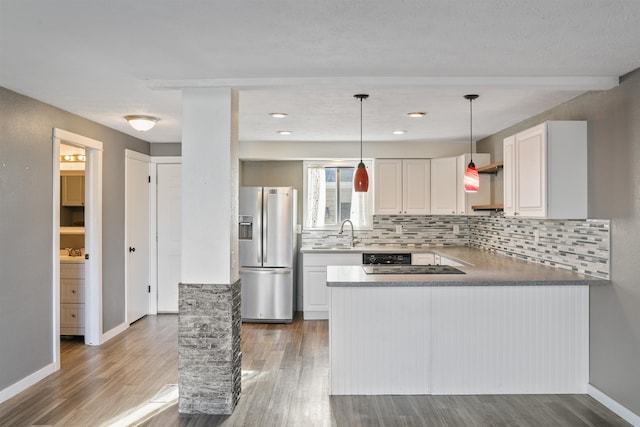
pixel 329 198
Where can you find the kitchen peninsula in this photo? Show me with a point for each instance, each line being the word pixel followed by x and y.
pixel 504 326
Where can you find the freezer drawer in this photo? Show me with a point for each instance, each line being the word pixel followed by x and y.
pixel 267 295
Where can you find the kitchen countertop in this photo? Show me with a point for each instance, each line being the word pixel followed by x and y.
pixel 368 249
pixel 482 268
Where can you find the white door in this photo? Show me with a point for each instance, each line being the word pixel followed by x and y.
pixel 137 250
pixel 169 235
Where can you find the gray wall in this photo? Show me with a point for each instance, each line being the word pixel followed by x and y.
pixel 614 193
pixel 166 149
pixel 26 227
pixel 274 174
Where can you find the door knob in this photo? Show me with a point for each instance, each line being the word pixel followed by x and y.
pixel 132 249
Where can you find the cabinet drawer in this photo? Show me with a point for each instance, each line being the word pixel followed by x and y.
pixel 71 315
pixel 72 290
pixel 72 270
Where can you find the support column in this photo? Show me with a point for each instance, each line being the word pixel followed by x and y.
pixel 209 358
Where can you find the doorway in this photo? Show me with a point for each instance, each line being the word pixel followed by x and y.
pixel 92 224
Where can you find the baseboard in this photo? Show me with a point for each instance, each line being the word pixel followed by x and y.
pixel 26 382
pixel 113 332
pixel 614 406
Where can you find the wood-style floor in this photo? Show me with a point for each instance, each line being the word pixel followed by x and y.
pixel 131 379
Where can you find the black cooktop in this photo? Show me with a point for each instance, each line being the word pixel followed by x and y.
pixel 411 269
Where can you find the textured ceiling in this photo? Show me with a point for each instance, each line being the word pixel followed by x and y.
pixel 105 59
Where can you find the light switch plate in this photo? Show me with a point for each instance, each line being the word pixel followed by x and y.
pixel 456 229
pixel 399 229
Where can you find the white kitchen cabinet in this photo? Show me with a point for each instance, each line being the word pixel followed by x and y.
pixel 315 293
pixel 72 188
pixel 72 307
pixel 402 186
pixel 443 186
pixel 447 185
pixel 545 171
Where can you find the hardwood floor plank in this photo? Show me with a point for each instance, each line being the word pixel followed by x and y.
pixel 284 383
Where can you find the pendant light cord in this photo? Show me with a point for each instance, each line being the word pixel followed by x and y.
pixel 361 130
pixel 471 128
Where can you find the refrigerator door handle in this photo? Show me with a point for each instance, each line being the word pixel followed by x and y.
pixel 266 270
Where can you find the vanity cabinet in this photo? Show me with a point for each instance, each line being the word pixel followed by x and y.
pixel 402 186
pixel 545 171
pixel 447 185
pixel 72 287
pixel 315 293
pixel 72 188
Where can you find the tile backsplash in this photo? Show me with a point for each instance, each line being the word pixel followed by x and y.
pixel 578 245
pixel 582 246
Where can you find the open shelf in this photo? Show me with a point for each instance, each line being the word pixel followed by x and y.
pixel 495 207
pixel 492 168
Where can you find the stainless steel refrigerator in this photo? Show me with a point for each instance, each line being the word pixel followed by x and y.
pixel 267 246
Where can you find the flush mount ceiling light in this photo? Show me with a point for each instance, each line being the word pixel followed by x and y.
pixel 361 178
pixel 399 132
pixel 278 115
pixel 285 132
pixel 141 123
pixel 471 177
pixel 416 114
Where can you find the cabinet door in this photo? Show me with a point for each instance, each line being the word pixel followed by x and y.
pixel 416 186
pixel 72 190
pixel 509 176
pixel 531 176
pixel 315 293
pixel 388 186
pixel 443 186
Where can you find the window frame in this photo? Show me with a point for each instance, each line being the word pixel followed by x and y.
pixel 332 163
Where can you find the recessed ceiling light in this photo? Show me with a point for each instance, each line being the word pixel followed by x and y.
pixel 399 132
pixel 285 132
pixel 278 115
pixel 417 114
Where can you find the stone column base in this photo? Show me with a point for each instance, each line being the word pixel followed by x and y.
pixel 209 357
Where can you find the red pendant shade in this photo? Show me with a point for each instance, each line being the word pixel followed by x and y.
pixel 361 179
pixel 471 179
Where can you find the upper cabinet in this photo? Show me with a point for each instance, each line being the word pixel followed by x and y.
pixel 72 188
pixel 447 185
pixel 402 186
pixel 545 171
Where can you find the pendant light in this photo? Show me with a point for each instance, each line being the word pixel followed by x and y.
pixel 471 177
pixel 361 178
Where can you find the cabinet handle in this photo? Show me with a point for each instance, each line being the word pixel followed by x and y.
pixel 131 249
pixel 73 315
pixel 73 291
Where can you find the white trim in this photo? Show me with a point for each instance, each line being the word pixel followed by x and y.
pixel 166 159
pixel 113 332
pixel 137 155
pixel 55 256
pixel 27 382
pixel 625 413
pixel 78 140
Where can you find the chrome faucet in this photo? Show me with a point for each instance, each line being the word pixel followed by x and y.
pixel 342 230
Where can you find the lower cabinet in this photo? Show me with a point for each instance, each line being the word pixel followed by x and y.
pixel 72 298
pixel 315 293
